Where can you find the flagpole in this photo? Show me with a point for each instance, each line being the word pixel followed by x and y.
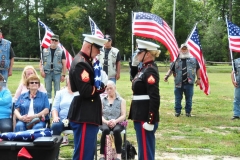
pixel 230 51
pixel 132 33
pixel 40 42
pixel 173 23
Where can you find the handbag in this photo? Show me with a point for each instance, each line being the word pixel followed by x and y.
pixel 110 149
pixel 29 125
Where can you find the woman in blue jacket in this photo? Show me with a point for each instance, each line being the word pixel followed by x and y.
pixel 32 107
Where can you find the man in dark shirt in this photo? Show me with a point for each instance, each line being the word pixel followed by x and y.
pixel 185 69
pixel 6 57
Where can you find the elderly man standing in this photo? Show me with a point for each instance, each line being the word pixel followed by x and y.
pixel 53 68
pixel 6 57
pixel 185 70
pixel 85 112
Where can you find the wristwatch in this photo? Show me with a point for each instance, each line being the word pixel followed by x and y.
pixel 63 75
pixel 198 78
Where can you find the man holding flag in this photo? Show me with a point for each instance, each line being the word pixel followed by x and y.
pixel 53 68
pixel 185 70
pixel 234 45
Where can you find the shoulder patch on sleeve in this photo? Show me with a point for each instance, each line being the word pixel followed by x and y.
pixel 85 76
pixel 151 80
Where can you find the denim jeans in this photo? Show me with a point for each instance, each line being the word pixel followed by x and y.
pixel 6 125
pixel 49 78
pixel 58 127
pixel 236 102
pixel 187 89
pixel 21 126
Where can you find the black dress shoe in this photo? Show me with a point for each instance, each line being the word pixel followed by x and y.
pixel 177 114
pixel 235 117
pixel 188 114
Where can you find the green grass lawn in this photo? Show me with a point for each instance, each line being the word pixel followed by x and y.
pixel 210 131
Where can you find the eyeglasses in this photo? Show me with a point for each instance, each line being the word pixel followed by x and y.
pixel 34 82
pixel 54 40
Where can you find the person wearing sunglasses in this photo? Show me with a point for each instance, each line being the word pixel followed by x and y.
pixel 85 112
pixel 186 72
pixel 32 107
pixel 110 59
pixel 53 66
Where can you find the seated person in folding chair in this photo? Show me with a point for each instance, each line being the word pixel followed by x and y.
pixel 114 111
pixel 5 107
pixel 60 109
pixel 32 107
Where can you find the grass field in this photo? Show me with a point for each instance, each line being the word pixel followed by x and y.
pixel 210 131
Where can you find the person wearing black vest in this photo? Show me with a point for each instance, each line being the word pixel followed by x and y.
pixel 6 57
pixel 85 112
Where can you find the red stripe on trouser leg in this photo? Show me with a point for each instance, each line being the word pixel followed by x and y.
pixel 82 141
pixel 144 142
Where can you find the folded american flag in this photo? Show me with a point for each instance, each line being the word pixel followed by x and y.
pixel 28 135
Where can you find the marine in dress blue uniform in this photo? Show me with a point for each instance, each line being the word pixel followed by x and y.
pixel 145 104
pixel 85 112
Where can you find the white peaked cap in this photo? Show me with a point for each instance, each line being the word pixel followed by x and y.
pixel 146 45
pixel 94 39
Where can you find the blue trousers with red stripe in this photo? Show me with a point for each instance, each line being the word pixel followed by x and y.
pixel 85 139
pixel 146 141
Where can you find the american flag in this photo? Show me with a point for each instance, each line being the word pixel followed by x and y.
pixel 97 74
pixel 94 29
pixel 46 43
pixel 195 50
pixel 151 26
pixel 96 65
pixel 233 37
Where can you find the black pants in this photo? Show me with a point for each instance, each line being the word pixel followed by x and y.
pixel 117 137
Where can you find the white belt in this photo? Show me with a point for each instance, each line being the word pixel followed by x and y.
pixel 76 93
pixel 141 97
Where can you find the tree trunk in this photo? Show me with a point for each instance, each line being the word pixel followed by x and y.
pixel 110 18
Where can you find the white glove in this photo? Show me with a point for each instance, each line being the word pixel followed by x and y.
pixel 135 61
pixel 104 77
pixel 65 122
pixel 147 126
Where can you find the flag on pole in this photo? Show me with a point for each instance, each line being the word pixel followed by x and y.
pixel 46 43
pixel 195 50
pixel 152 26
pixel 94 29
pixel 233 37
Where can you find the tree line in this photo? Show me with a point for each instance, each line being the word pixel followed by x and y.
pixel 69 19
